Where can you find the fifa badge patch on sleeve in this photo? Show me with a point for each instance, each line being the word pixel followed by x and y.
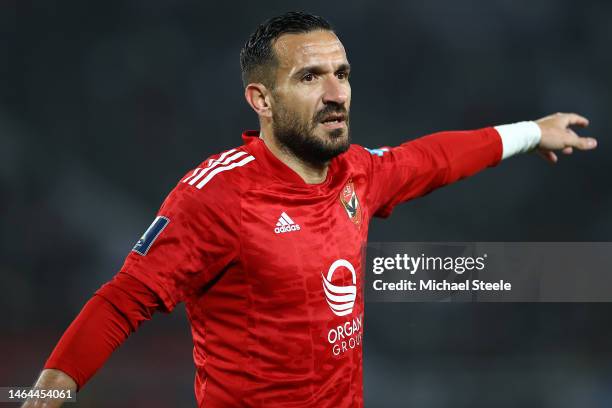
pixel 148 238
pixel 378 152
pixel 350 202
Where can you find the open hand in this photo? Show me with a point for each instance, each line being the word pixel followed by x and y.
pixel 557 135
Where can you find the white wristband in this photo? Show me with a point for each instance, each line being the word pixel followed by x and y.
pixel 519 137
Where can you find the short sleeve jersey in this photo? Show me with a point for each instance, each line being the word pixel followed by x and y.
pixel 270 268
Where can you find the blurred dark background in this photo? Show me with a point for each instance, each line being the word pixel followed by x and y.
pixel 105 105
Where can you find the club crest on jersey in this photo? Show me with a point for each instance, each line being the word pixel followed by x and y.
pixel 350 202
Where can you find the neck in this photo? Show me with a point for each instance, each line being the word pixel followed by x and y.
pixel 310 173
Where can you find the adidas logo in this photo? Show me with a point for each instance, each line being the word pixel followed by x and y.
pixel 285 224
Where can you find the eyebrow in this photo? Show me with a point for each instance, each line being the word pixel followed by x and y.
pixel 317 69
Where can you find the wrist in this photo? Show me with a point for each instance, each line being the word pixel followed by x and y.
pixel 519 137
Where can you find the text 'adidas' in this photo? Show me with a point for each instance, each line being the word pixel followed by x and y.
pixel 285 224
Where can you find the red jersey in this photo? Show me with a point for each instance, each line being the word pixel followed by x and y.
pixel 271 268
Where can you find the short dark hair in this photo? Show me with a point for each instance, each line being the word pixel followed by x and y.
pixel 257 57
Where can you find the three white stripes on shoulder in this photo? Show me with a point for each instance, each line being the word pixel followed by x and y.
pixel 227 161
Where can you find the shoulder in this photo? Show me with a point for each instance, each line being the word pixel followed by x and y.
pixel 362 157
pixel 359 152
pixel 215 185
pixel 223 173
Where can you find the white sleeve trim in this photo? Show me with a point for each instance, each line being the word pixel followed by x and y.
pixel 519 137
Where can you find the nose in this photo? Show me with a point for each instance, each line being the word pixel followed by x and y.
pixel 335 91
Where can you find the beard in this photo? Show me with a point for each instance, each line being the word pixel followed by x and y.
pixel 300 139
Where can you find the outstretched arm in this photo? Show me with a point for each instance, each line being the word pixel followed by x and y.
pixel 421 165
pixel 188 244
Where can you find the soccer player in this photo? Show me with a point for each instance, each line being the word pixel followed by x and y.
pixel 263 242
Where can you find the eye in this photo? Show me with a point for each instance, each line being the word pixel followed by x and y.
pixel 342 75
pixel 308 77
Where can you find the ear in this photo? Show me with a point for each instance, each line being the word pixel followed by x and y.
pixel 258 96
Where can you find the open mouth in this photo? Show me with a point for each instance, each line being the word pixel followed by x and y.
pixel 333 119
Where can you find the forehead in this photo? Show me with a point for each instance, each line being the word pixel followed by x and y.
pixel 314 47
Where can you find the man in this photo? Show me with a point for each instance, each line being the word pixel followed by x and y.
pixel 262 242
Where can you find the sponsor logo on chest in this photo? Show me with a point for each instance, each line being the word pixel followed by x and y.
pixel 341 300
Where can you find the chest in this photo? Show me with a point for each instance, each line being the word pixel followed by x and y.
pixel 291 241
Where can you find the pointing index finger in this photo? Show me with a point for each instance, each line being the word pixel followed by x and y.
pixel 584 143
